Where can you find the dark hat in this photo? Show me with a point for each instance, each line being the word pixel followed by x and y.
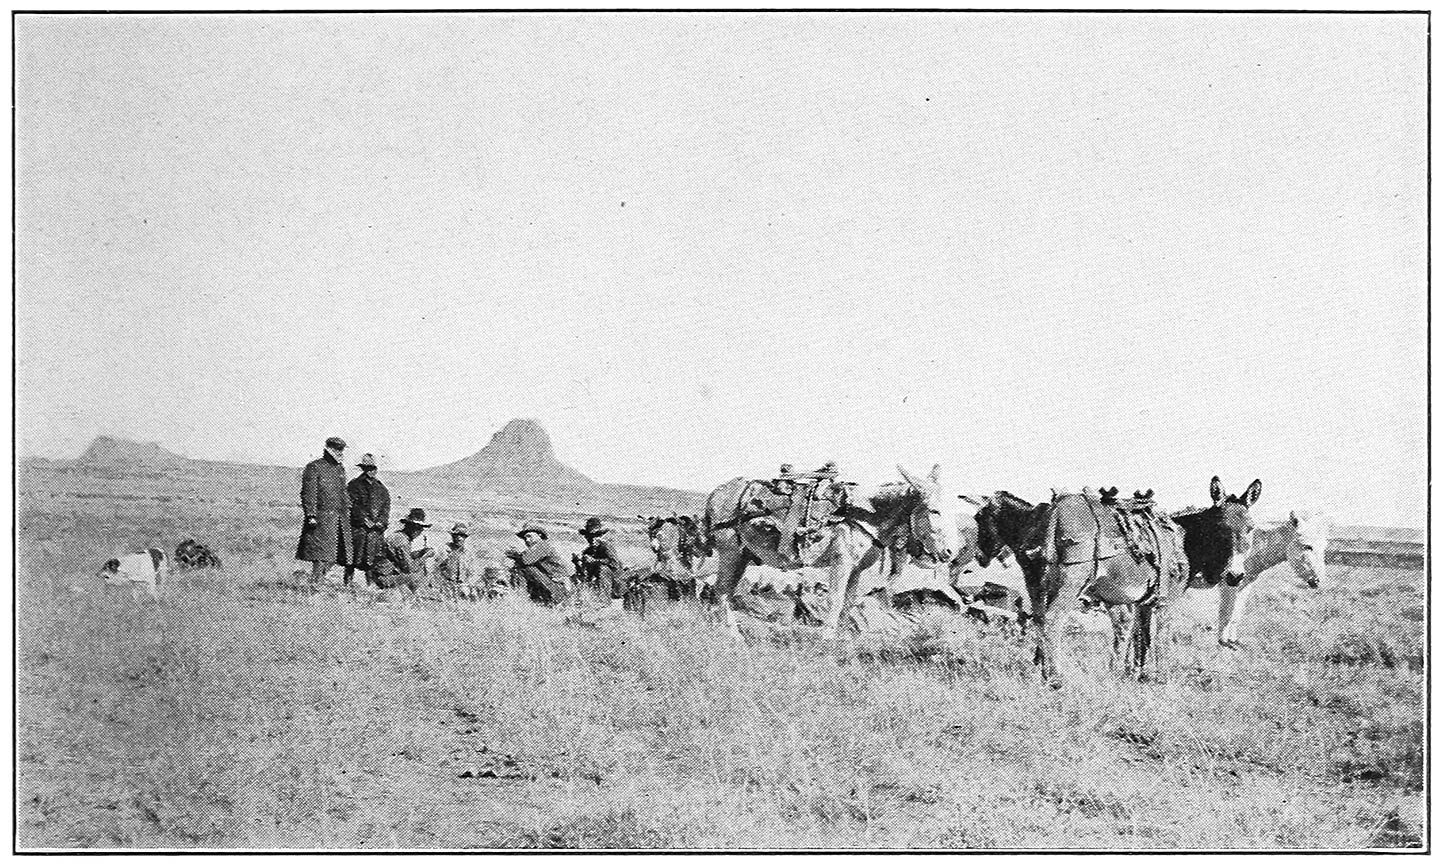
pixel 460 529
pixel 531 527
pixel 336 443
pixel 416 517
pixel 593 528
pixel 367 461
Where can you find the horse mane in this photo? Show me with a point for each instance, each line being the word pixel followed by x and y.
pixel 1190 512
pixel 890 496
pixel 1007 497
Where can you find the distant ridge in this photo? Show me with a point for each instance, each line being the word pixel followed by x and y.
pixel 519 456
pixel 107 452
pixel 517 467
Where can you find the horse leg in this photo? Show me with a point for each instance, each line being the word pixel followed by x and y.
pixel 1232 603
pixel 1155 640
pixel 842 587
pixel 1041 601
pixel 730 566
pixel 1140 641
pixel 1122 651
pixel 1224 630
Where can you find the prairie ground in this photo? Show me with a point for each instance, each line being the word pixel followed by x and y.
pixel 247 709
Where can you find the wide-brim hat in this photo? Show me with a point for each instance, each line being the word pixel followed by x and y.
pixel 460 529
pixel 531 527
pixel 368 461
pixel 416 517
pixel 593 528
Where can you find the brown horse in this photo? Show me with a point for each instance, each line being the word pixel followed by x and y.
pixel 1070 549
pixel 880 529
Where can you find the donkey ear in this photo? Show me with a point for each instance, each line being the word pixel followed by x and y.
pixel 1294 520
pixel 935 474
pixel 1252 493
pixel 910 479
pixel 1217 490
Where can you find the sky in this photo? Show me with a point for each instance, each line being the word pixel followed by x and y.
pixel 1042 250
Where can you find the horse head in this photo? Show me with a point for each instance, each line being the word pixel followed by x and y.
pixel 988 542
pixel 1218 539
pixel 934 517
pixel 1306 551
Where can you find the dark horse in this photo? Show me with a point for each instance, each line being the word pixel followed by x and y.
pixel 1070 547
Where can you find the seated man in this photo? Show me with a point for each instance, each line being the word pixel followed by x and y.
pixel 400 564
pixel 600 563
pixel 540 567
pixel 457 567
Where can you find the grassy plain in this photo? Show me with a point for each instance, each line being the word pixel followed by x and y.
pixel 246 709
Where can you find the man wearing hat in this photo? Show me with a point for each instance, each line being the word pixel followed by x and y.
pixel 457 567
pixel 600 563
pixel 369 515
pixel 402 565
pixel 325 539
pixel 540 567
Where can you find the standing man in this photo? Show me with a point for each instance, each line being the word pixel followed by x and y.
pixel 540 567
pixel 325 539
pixel 369 515
pixel 401 565
pixel 600 563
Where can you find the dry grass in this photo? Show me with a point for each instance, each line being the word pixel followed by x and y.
pixel 246 711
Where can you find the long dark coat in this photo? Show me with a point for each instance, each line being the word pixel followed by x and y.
pixel 324 497
pixel 369 514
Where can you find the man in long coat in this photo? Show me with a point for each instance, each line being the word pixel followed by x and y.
pixel 369 515
pixel 325 540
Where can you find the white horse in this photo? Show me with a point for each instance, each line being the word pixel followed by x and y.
pixel 1300 540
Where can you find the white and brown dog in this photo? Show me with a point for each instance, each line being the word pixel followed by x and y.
pixel 140 572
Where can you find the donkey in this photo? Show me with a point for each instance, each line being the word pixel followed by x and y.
pixel 1067 552
pixel 1063 550
pixel 911 520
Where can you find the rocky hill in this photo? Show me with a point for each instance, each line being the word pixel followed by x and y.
pixel 106 452
pixel 519 457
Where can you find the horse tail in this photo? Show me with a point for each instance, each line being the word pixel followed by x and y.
pixel 1050 551
pixel 727 496
pixel 705 535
